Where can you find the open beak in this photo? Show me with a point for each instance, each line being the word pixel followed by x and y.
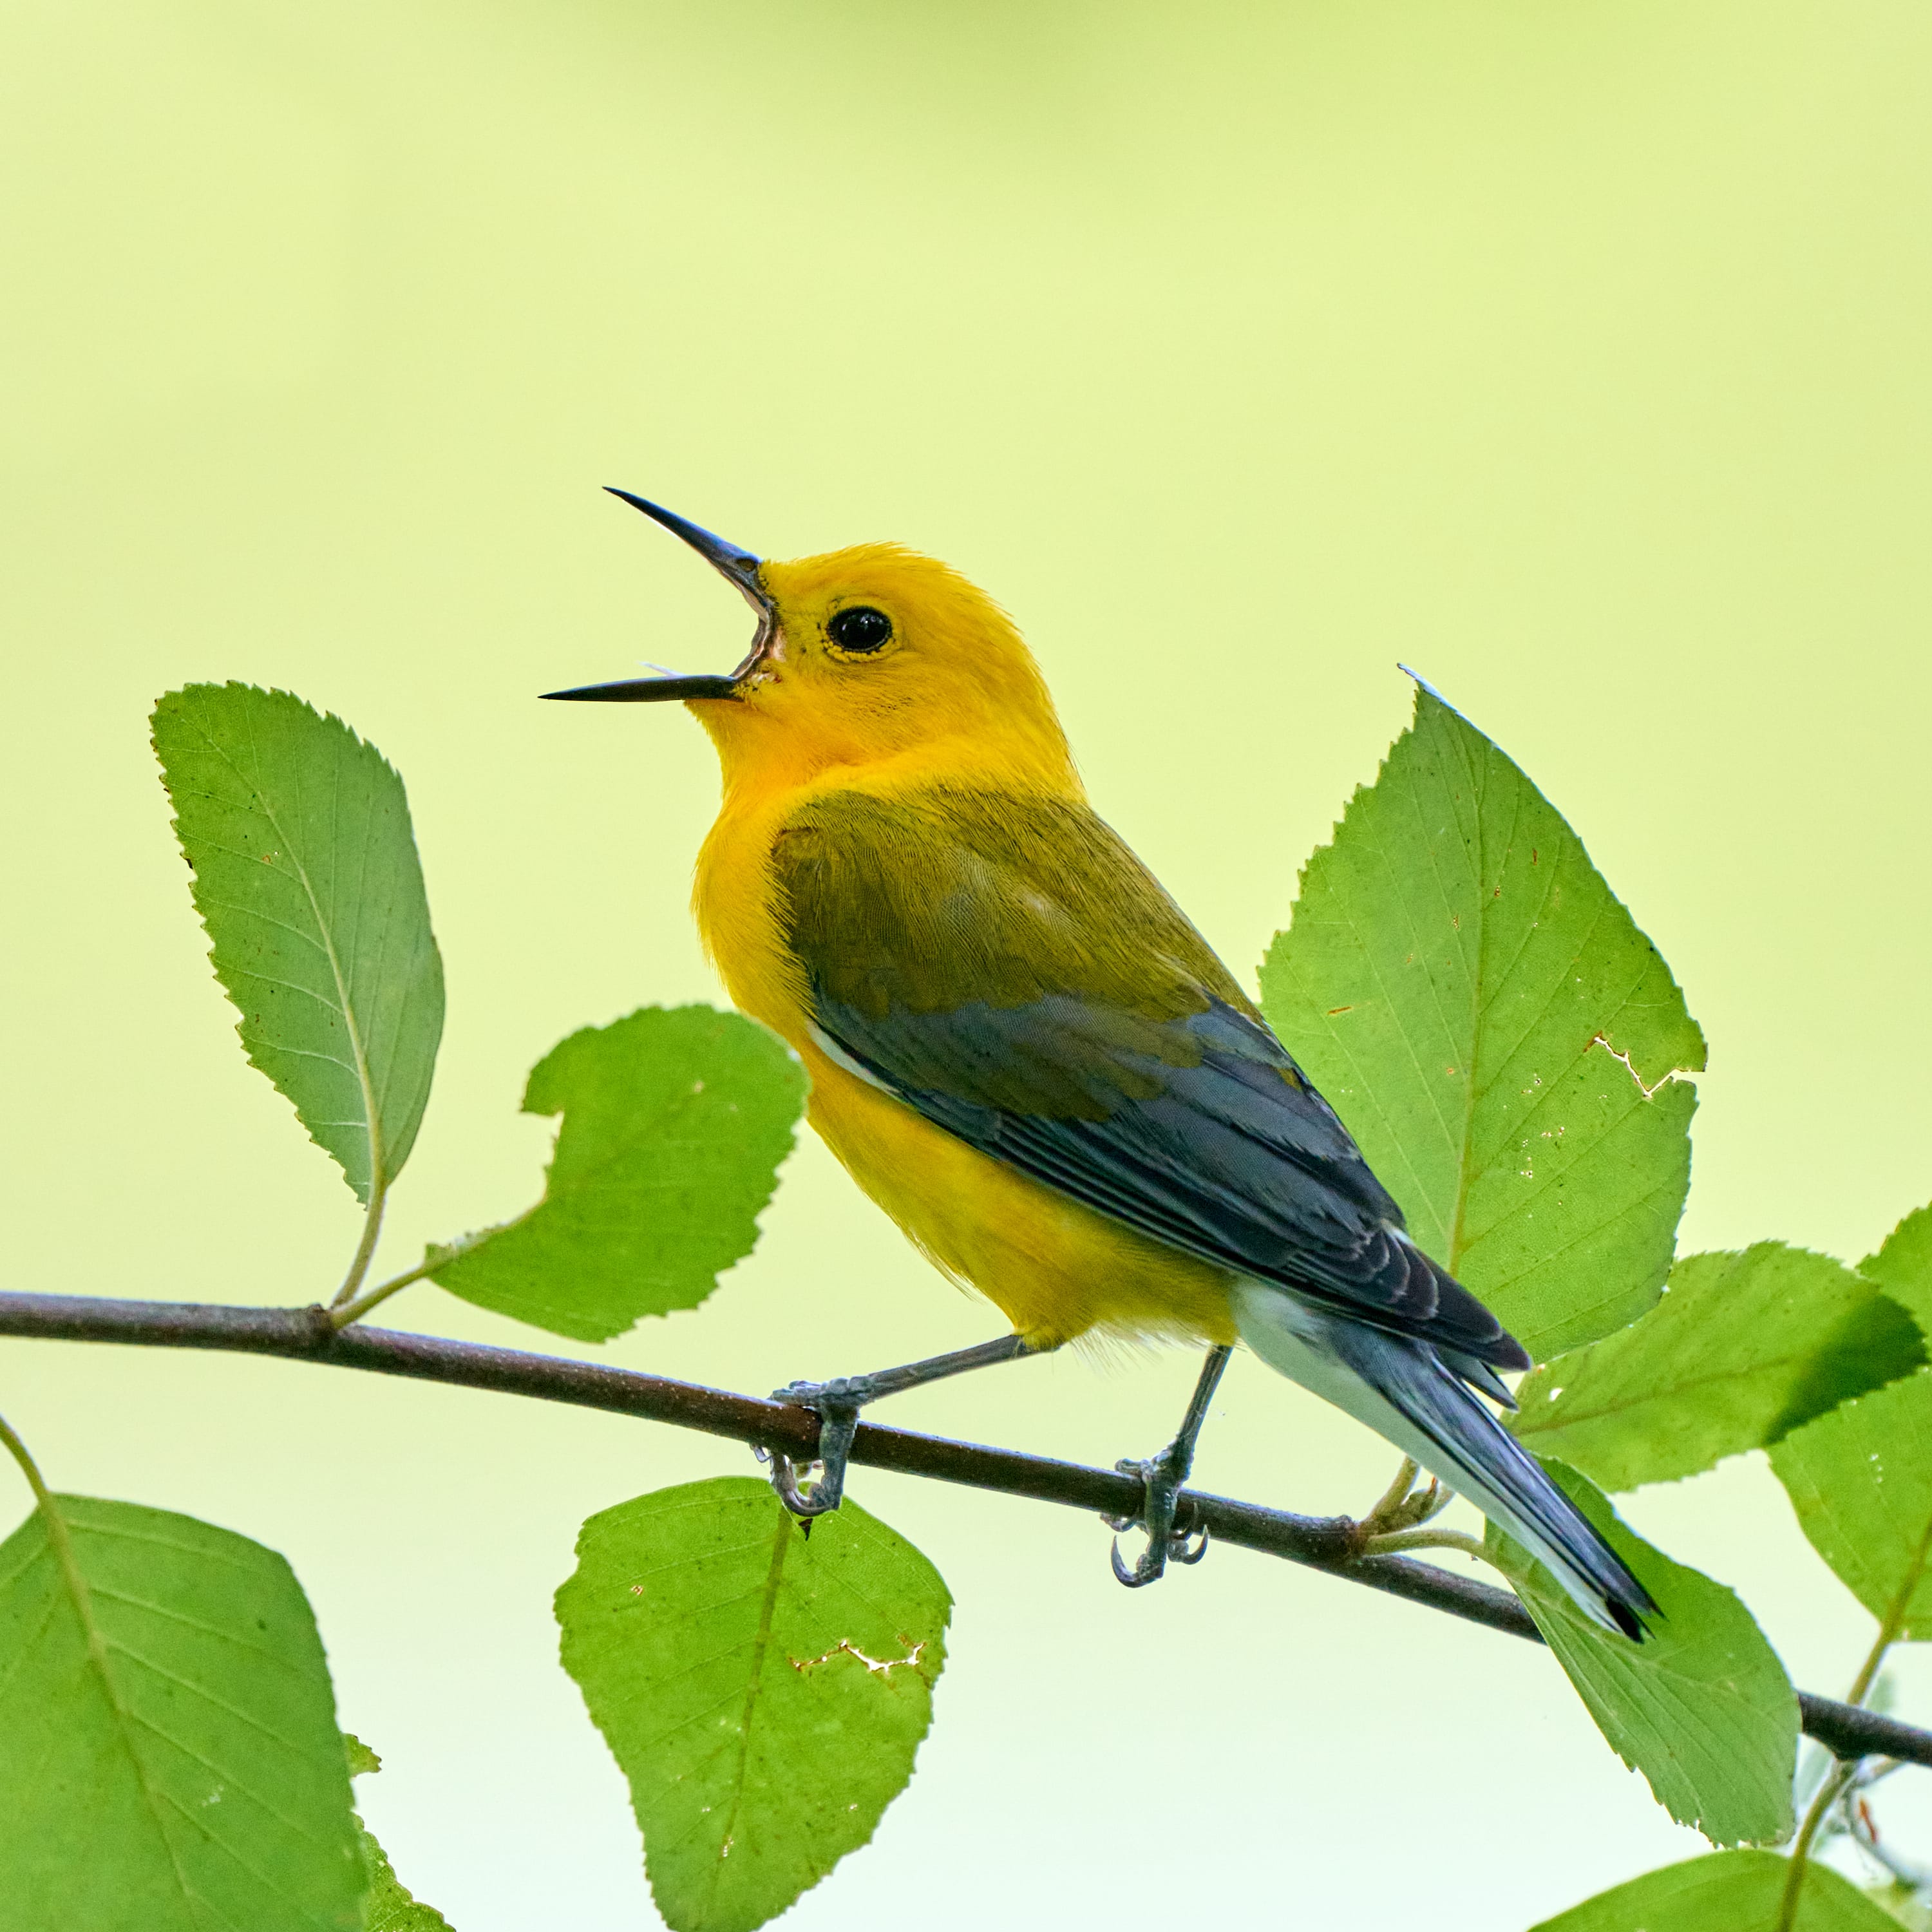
pixel 738 567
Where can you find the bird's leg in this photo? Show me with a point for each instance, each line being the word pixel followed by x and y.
pixel 837 1404
pixel 1161 1478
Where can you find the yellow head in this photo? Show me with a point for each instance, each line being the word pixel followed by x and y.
pixel 865 656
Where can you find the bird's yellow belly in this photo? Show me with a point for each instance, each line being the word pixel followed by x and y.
pixel 1057 1271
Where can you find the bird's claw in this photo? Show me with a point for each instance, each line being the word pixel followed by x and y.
pixel 821 1499
pixel 836 1403
pixel 1167 1542
pixel 1183 1547
pixel 1188 1545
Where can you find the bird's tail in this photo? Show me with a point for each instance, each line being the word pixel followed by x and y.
pixel 1401 1389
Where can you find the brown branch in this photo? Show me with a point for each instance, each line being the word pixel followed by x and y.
pixel 1322 1543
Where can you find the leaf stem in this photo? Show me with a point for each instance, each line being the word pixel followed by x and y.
pixel 340 1315
pixel 1836 1779
pixel 28 1468
pixel 62 1543
pixel 1893 1622
pixel 1425 1539
pixel 365 1249
pixel 1888 1635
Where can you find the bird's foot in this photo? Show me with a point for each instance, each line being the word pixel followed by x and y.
pixel 1405 1505
pixel 836 1403
pixel 1168 1541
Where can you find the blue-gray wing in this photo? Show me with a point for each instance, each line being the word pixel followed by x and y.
pixel 1009 970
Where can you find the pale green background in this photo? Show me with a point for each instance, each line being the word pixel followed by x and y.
pixel 1575 353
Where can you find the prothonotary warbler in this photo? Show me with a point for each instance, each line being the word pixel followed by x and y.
pixel 1022 1050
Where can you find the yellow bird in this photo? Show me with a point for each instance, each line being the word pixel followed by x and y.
pixel 1022 1050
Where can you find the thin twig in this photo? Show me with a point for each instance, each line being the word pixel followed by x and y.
pixel 342 1313
pixel 1836 1779
pixel 1891 1625
pixel 1327 1544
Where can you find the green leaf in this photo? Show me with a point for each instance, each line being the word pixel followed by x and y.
pixel 1903 1268
pixel 1742 1349
pixel 1877 1343
pixel 1860 1480
pixel 763 1690
pixel 1731 1892
pixel 389 1906
pixel 1702 1707
pixel 675 1122
pixel 172 1762
pixel 1506 1045
pixel 307 878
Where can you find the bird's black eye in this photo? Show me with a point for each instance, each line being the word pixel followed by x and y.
pixel 859 629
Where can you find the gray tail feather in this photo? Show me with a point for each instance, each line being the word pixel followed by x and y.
pixel 1479 1376
pixel 1401 1388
